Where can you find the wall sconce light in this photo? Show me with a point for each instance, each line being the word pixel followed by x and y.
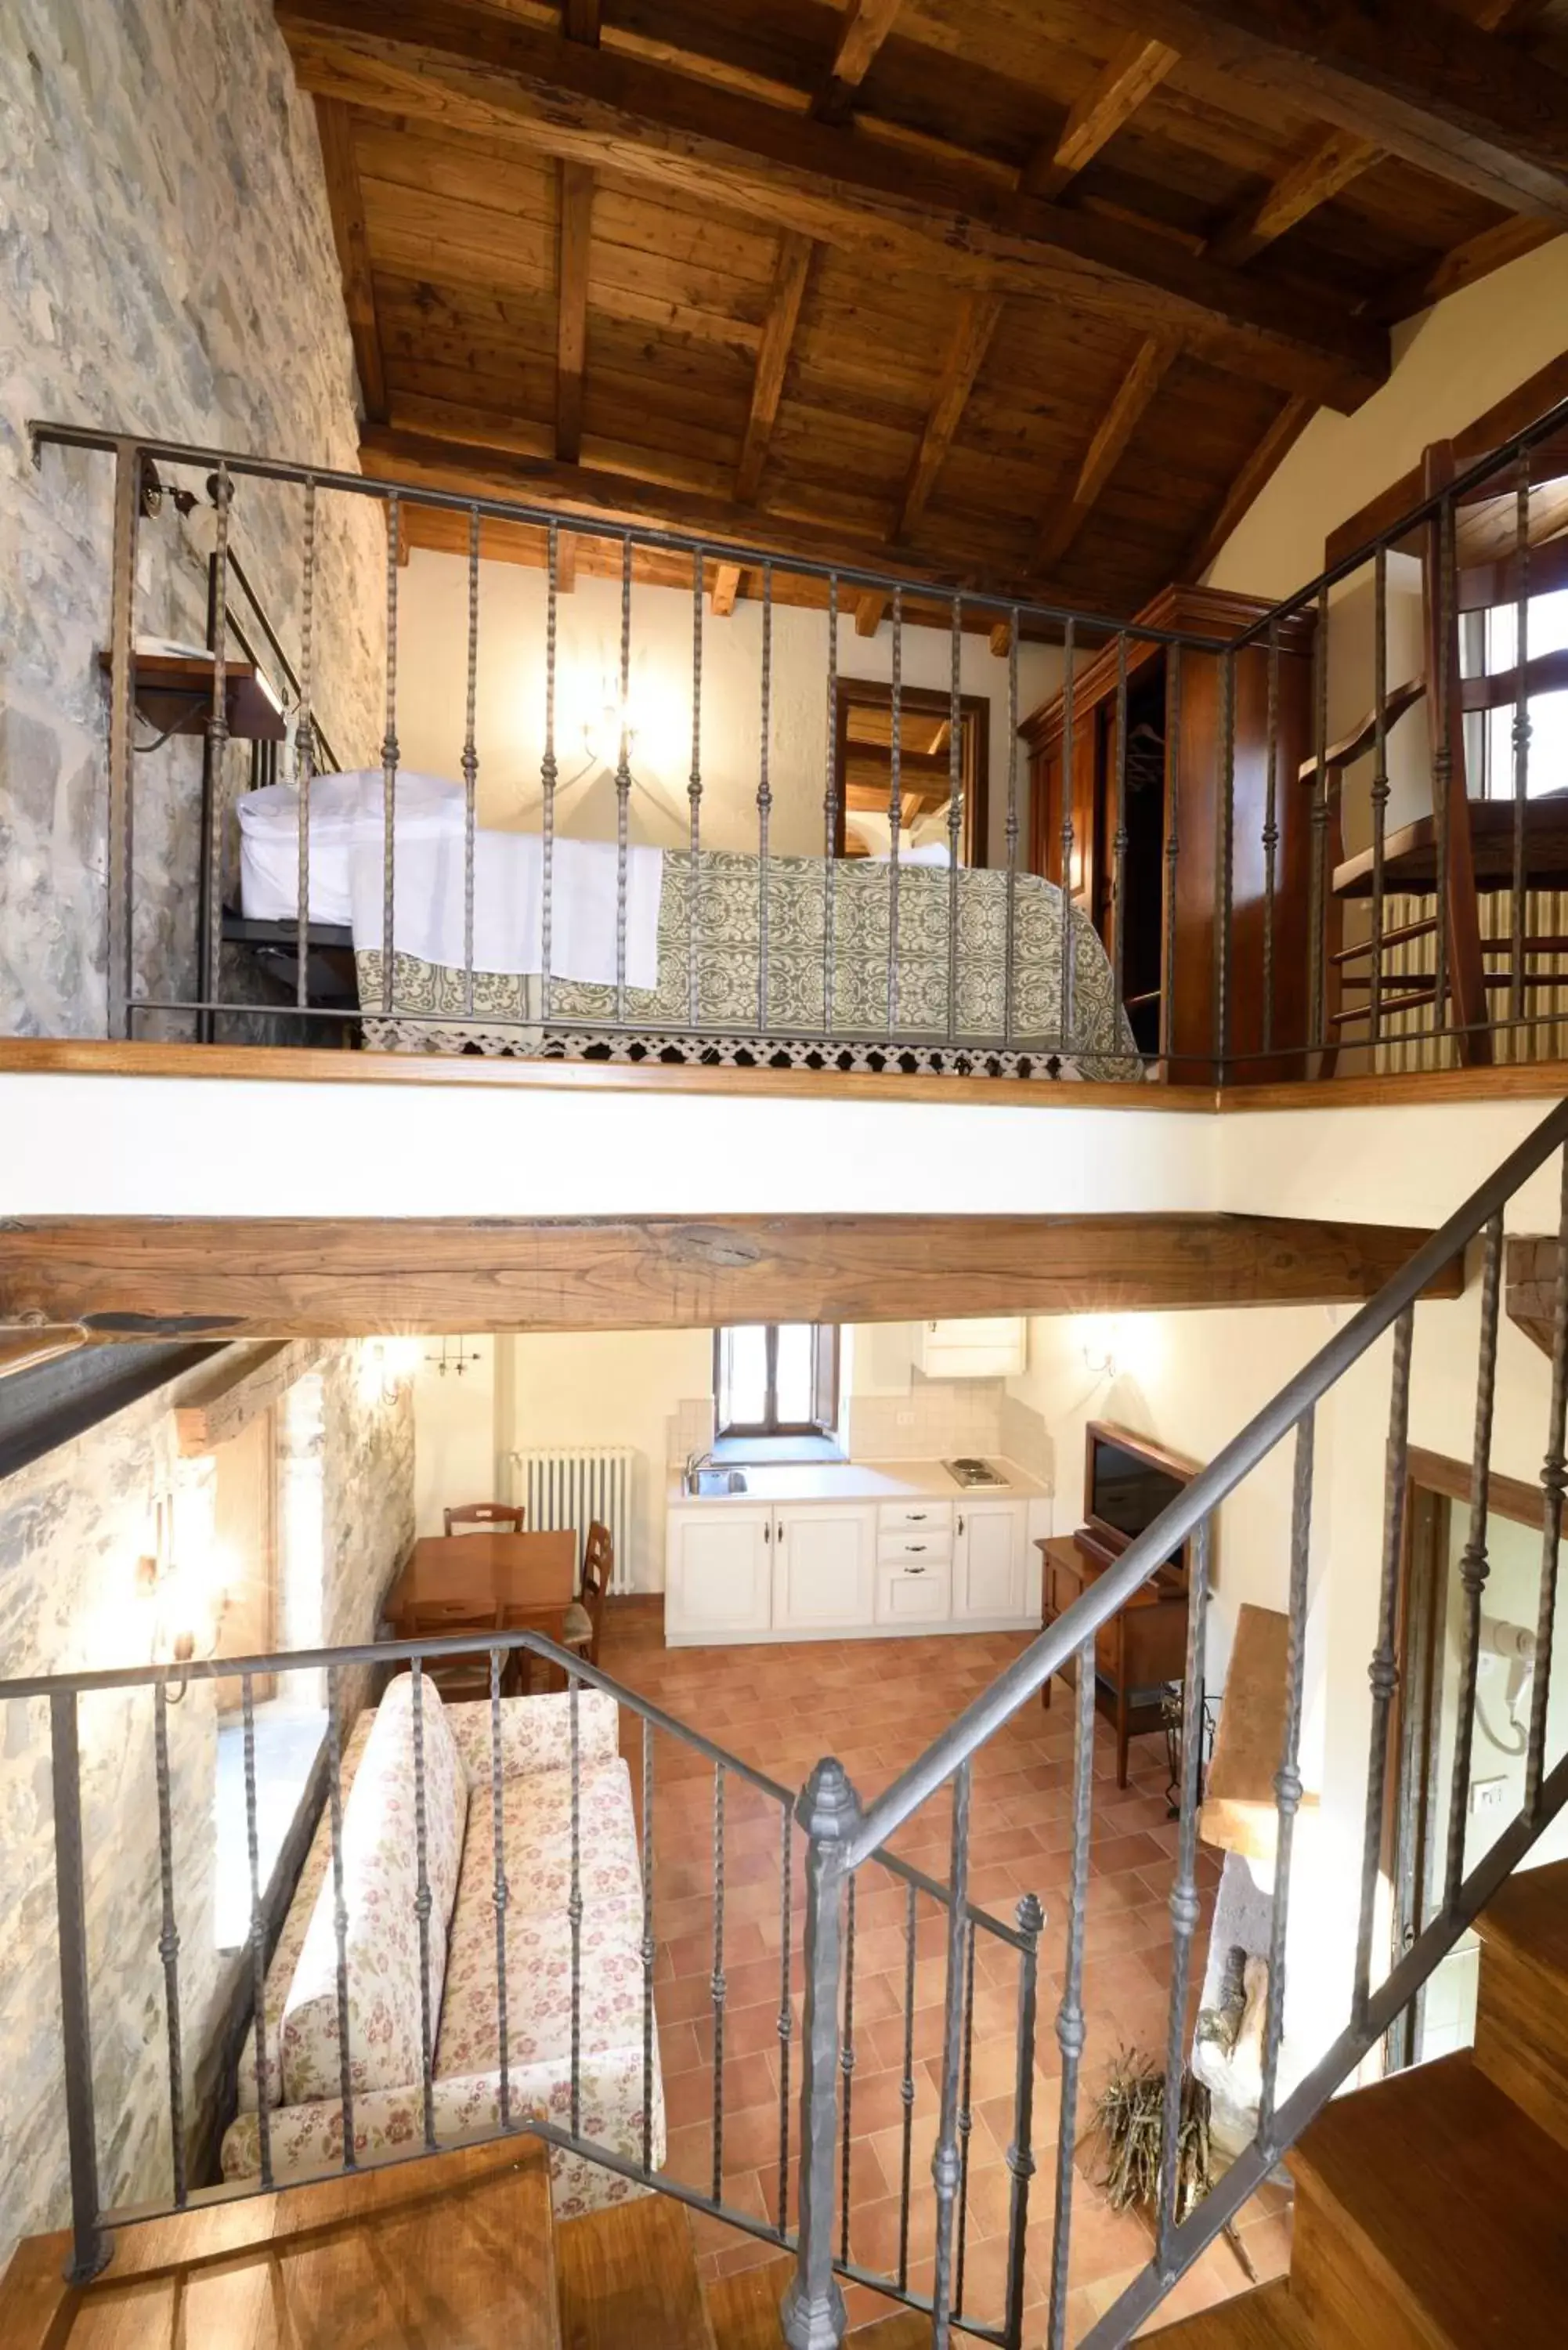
pixel 603 730
pixel 189 1607
pixel 387 1365
pixel 1100 1348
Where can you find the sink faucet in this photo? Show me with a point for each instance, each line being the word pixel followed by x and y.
pixel 695 1464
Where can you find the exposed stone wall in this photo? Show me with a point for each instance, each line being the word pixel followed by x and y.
pixel 167 267
pixel 72 1529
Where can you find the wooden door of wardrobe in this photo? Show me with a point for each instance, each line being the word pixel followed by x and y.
pixel 1046 773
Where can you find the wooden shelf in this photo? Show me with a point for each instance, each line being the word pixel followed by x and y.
pixel 173 694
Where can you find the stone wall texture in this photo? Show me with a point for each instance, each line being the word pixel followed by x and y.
pixel 167 267
pixel 72 1529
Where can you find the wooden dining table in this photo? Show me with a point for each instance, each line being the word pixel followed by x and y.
pixel 534 1576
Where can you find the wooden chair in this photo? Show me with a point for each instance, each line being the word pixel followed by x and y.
pixel 1482 832
pixel 459 1678
pixel 500 1517
pixel 585 1616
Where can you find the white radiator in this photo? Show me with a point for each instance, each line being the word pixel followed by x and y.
pixel 573 1489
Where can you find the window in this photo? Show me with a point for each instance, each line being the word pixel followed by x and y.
pixel 1548 633
pixel 776 1379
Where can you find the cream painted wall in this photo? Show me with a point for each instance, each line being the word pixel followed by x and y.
pixel 1451 364
pixel 456 1435
pixel 509 731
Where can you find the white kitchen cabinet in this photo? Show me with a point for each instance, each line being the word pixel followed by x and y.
pixel 719 1572
pixel 990 1561
pixel 913 1595
pixel 995 1346
pixel 823 1567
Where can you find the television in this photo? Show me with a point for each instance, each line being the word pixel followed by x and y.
pixel 1128 1482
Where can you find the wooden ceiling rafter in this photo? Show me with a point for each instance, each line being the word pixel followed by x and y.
pixel 510 80
pixel 580 22
pixel 346 201
pixel 867 25
pixel 1135 69
pixel 575 193
pixel 1262 464
pixel 1152 362
pixel 791 271
pixel 728 583
pixel 977 317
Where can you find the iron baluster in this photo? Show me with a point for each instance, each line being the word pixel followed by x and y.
pixel 257 1936
pixel 894 811
pixel 623 781
pixel 500 1891
pixel 813 2317
pixel 1021 2153
pixel 305 746
pixel 1442 758
pixel 1287 1778
pixel 649 1948
pixel 694 794
pixel 717 1986
pixel 548 773
pixel 1317 904
pixel 470 760
pixel 422 1904
pixel 764 799
pixel 1010 1006
pixel 340 1919
pixel 955 811
pixel 90 2246
pixel 169 1943
pixel 786 2013
pixel 1383 1672
pixel 1225 861
pixel 1270 825
pixel 945 2160
pixel 847 2065
pixel 390 758
pixel 1119 823
pixel 1553 1479
pixel 965 2120
pixel 1069 927
pixel 575 1904
pixel 907 2090
pixel 1071 2031
pixel 1474 1564
pixel 1521 748
pixel 1185 1908
pixel 127 464
pixel 830 812
pixel 215 808
pixel 1174 686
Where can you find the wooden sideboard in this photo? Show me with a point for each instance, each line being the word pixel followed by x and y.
pixel 1175 784
pixel 1142 1648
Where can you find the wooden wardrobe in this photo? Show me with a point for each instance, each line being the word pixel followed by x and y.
pixel 1188 786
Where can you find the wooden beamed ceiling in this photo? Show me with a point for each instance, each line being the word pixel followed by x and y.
pixel 1031 300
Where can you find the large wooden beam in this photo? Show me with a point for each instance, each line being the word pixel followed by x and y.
pixel 576 205
pixel 1413 78
pixel 867 25
pixel 460 69
pixel 790 272
pixel 973 328
pixel 1153 362
pixel 330 1278
pixel 1530 1285
pixel 1109 100
pixel 580 21
pixel 347 203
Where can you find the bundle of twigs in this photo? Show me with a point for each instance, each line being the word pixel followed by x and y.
pixel 1130 2123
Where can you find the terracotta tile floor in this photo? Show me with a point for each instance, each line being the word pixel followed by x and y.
pixel 876 1705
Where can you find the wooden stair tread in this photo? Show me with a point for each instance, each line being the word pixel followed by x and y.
pixel 1529 1914
pixel 744 2309
pixel 628 2279
pixel 1268 2319
pixel 1449 2199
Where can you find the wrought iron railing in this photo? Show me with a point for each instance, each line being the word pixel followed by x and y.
pixel 1336 901
pixel 829 2035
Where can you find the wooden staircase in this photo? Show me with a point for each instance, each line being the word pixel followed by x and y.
pixel 1432 2209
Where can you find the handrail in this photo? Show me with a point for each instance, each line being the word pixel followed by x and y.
pixel 1198 1500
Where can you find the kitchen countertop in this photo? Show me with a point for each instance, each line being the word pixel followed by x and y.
pixel 860 1481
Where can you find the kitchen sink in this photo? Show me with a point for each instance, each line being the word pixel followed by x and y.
pixel 708 1481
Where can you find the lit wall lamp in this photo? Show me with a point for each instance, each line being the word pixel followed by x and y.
pixel 1100 1337
pixel 190 1604
pixel 387 1366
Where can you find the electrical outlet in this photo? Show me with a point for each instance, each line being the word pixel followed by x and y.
pixel 904 1418
pixel 1489 1795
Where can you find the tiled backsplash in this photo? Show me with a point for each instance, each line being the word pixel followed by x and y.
pixel 935 1419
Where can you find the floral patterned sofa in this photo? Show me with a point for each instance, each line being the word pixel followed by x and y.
pixel 303 2072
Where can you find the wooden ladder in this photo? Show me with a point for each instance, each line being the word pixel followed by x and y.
pixel 1432 2208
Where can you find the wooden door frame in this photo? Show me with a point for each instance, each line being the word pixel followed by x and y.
pixel 930 699
pixel 1434 1485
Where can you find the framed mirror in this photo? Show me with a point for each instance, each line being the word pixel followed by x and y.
pixel 863 721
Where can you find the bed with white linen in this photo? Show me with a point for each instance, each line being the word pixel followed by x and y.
pixel 690 956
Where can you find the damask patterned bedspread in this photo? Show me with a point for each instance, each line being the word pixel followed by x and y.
pixel 797 947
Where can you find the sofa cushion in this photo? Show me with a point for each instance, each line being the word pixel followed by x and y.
pixel 380 1884
pixel 535 1733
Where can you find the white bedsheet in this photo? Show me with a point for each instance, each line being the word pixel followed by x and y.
pixel 428 919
